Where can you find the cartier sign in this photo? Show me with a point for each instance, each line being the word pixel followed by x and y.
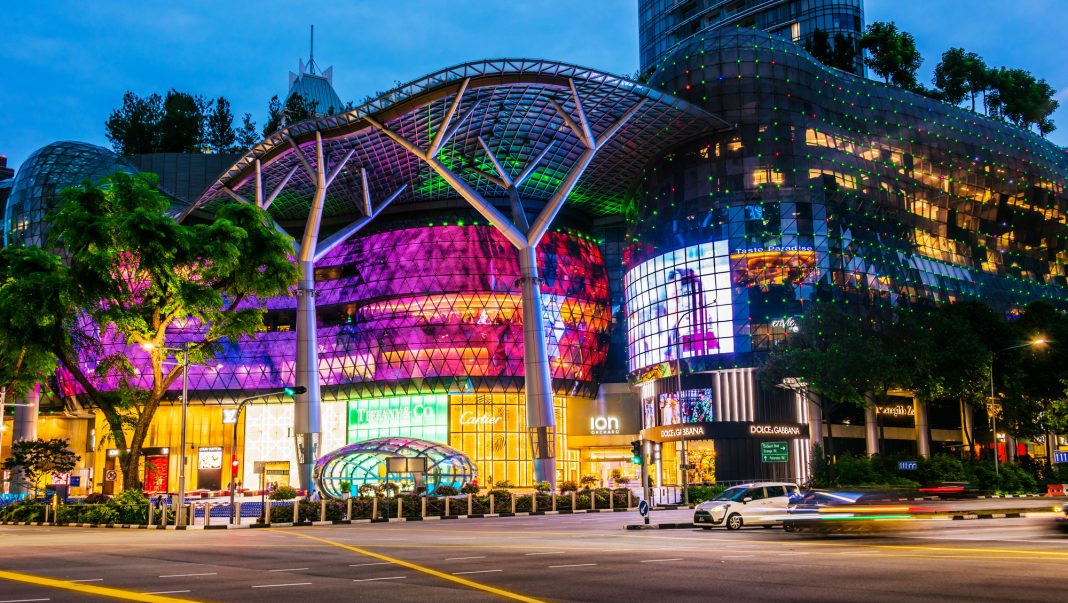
pixel 470 418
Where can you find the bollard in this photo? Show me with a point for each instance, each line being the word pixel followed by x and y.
pixel 348 509
pixel 267 512
pixel 630 503
pixel 492 497
pixel 166 505
pixel 447 499
pixel 574 505
pixel 322 510
pixel 151 513
pixel 46 514
pixel 400 507
pixel 296 511
pixel 238 514
pixel 469 505
pixel 534 502
pixel 554 501
pixel 374 508
pixel 593 499
pixel 513 502
pixel 611 500
pixel 422 503
pixel 207 515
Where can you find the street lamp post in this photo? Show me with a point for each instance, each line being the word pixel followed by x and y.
pixel 678 394
pixel 993 399
pixel 180 503
pixel 288 391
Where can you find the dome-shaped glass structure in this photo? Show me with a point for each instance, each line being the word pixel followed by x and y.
pixel 365 463
pixel 45 173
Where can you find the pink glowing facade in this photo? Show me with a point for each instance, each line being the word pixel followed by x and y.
pixel 432 308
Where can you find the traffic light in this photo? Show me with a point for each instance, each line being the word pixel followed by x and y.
pixel 296 389
pixel 234 465
pixel 636 452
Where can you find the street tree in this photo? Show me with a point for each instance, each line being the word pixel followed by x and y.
pixel 132 276
pixel 35 461
pixel 891 54
pixel 273 123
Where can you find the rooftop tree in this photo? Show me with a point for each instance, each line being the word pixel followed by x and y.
pixel 891 54
pixel 132 275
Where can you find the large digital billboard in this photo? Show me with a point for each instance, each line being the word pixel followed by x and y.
pixel 423 417
pixel 679 305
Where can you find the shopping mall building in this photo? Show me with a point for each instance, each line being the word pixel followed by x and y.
pixel 516 267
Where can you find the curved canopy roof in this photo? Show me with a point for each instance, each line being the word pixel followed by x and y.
pixel 509 103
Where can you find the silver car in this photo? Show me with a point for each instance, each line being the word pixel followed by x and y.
pixel 758 503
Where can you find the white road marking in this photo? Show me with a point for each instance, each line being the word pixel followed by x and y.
pixel 275 585
pixel 737 556
pixel 90 580
pixel 460 558
pixel 386 578
pixel 789 554
pixel 291 569
pixel 659 560
pixel 366 564
pixel 168 592
pixel 572 565
pixel 23 600
pixel 545 553
pixel 188 575
pixel 476 572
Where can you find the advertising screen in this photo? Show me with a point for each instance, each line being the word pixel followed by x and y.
pixel 679 305
pixel 423 417
pixel 676 408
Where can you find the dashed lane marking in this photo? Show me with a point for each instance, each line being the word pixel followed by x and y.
pixel 377 579
pixel 277 585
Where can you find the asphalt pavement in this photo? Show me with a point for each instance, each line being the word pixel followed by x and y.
pixel 564 557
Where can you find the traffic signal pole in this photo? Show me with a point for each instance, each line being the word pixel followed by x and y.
pixel 645 478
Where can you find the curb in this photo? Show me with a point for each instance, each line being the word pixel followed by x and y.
pixel 253 526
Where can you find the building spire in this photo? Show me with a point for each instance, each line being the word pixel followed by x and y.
pixel 311 52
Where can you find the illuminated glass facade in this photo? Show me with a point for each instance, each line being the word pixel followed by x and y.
pixel 665 24
pixel 836 187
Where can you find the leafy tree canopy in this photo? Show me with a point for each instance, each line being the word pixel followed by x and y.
pixel 891 54
pixel 36 460
pixel 134 275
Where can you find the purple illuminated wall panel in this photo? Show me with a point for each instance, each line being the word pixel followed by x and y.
pixel 419 304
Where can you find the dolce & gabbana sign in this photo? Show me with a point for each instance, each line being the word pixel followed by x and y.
pixel 777 430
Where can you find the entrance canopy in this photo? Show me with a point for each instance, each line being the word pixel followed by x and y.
pixel 520 113
pixel 366 463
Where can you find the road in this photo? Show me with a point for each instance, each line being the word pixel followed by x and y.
pixel 566 558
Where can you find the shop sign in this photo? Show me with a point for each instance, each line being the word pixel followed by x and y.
pixel 602 425
pixel 897 410
pixel 772 429
pixel 229 416
pixel 423 417
pixel 469 418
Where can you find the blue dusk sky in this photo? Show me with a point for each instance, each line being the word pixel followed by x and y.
pixel 67 64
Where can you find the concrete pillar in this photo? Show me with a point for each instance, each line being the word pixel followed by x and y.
pixel 923 432
pixel 966 428
pixel 25 427
pixel 815 420
pixel 871 430
pixel 541 420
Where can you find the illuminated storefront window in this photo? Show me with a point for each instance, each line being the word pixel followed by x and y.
pixel 269 439
pixel 491 429
pixel 422 417
pixel 679 305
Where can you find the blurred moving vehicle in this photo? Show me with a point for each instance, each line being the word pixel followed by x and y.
pixel 1061 523
pixel 825 511
pixel 951 490
pixel 758 503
